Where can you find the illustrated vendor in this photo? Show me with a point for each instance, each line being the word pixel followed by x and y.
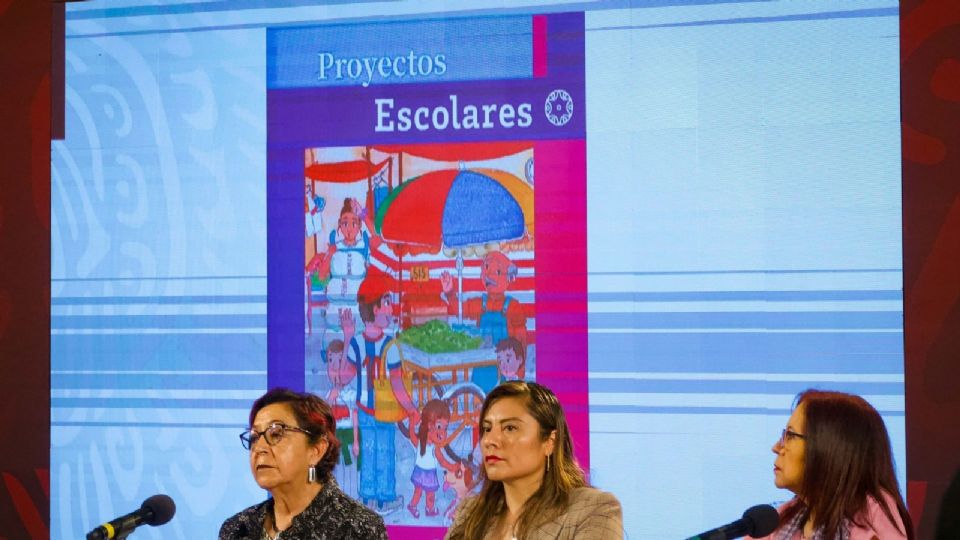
pixel 497 314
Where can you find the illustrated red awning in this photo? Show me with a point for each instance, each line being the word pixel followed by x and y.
pixel 344 171
pixel 459 151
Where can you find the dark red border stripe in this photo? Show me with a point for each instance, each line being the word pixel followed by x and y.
pixel 539 46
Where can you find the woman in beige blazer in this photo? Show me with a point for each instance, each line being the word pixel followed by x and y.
pixel 532 488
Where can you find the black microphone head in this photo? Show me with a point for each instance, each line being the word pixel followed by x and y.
pixel 158 509
pixel 763 519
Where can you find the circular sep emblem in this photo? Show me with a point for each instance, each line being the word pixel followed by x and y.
pixel 558 107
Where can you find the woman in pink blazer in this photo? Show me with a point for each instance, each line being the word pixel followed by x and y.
pixel 835 456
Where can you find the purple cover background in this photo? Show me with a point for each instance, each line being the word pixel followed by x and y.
pixel 345 116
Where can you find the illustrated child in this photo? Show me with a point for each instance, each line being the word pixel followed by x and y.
pixel 430 440
pixel 511 354
pixel 342 398
pixel 461 482
pixel 381 406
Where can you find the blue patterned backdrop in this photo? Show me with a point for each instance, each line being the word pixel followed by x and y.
pixel 743 240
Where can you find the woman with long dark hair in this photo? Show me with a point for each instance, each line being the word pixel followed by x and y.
pixel 834 455
pixel 533 488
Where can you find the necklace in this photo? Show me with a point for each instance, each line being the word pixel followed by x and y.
pixel 271 526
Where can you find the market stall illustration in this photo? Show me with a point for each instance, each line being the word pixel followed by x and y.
pixel 452 226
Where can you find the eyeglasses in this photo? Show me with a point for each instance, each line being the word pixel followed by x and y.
pixel 788 435
pixel 273 434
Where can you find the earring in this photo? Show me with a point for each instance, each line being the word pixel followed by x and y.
pixel 548 463
pixel 312 474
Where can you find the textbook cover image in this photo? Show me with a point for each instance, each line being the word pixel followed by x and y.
pixel 411 180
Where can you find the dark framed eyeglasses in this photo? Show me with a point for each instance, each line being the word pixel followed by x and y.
pixel 273 434
pixel 788 435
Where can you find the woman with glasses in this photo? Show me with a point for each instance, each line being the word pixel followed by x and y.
pixel 293 449
pixel 533 488
pixel 835 456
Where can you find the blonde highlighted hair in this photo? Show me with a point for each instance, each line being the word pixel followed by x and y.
pixel 485 512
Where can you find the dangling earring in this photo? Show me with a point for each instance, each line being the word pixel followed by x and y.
pixel 548 462
pixel 312 474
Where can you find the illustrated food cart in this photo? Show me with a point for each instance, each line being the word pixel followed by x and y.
pixel 447 377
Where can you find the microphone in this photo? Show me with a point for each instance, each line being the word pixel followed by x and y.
pixel 759 520
pixel 156 510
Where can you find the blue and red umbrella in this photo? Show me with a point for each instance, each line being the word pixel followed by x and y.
pixel 455 208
